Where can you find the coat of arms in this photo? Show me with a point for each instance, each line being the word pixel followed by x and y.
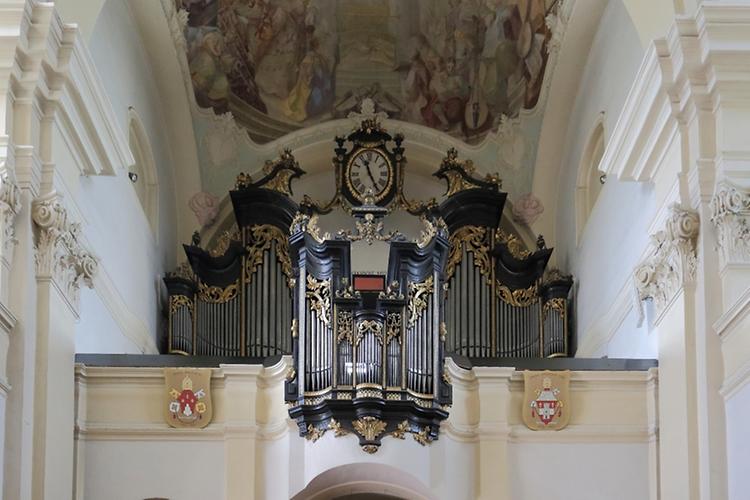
pixel 546 405
pixel 188 397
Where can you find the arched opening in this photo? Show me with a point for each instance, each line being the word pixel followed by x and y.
pixel 589 183
pixel 364 481
pixel 144 180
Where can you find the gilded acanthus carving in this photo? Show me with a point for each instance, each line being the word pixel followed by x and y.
pixel 672 261
pixel 419 294
pixel 59 253
pixel 261 238
pixel 10 205
pixel 319 294
pixel 730 215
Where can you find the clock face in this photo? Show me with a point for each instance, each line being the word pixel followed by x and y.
pixel 369 169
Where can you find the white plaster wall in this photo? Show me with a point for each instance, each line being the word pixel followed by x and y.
pixel 615 471
pixel 137 469
pixel 632 341
pixel 132 257
pixel 97 332
pixel 618 225
pixel 738 443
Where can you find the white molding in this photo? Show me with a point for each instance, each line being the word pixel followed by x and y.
pixel 735 382
pixel 138 431
pixel 130 324
pixel 588 433
pixel 644 130
pixel 603 329
pixel 732 316
pixel 89 120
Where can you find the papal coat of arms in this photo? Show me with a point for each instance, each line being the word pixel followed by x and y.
pixel 546 402
pixel 188 401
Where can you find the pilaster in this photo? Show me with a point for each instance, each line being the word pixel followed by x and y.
pixel 667 277
pixel 62 265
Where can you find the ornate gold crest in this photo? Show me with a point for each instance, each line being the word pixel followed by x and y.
pixel 546 402
pixel 188 397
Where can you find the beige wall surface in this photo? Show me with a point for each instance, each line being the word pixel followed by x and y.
pixel 124 450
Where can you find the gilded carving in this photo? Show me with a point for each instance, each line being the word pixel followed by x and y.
pixel 295 328
pixel 337 429
pixel 314 433
pixel 369 427
pixel 393 327
pixel 282 181
pixel 369 326
pixel 261 239
pixel 369 229
pixel 217 294
pixel 423 437
pixel 474 240
pixel 344 326
pixel 347 290
pixel 392 292
pixel 401 430
pixel 184 271
pixel 225 239
pixel 319 294
pixel 522 297
pixel 514 245
pixel 431 229
pixel 418 296
pixel 308 224
pixel 178 301
pixel 557 304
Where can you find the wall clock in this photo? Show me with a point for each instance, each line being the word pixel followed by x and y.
pixel 369 169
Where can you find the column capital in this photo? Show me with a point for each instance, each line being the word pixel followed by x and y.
pixel 10 205
pixel 730 215
pixel 60 255
pixel 671 262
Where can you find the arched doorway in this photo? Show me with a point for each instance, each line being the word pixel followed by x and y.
pixel 365 481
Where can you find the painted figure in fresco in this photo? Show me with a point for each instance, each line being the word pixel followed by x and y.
pixel 278 46
pixel 460 65
pixel 210 65
pixel 313 93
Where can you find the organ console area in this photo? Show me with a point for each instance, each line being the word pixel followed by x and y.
pixel 368 314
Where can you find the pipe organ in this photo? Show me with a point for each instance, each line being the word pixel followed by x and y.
pixel 368 346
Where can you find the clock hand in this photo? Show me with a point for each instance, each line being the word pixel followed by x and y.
pixel 369 174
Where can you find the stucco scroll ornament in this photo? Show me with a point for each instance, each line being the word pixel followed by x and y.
pixel 730 215
pixel 671 263
pixel 60 256
pixel 527 209
pixel 366 113
pixel 10 205
pixel 205 206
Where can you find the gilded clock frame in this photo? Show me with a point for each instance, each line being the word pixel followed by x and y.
pixel 386 191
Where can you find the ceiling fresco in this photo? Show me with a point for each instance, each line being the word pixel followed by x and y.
pixel 458 66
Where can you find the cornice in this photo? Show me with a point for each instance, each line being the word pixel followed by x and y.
pixel 701 62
